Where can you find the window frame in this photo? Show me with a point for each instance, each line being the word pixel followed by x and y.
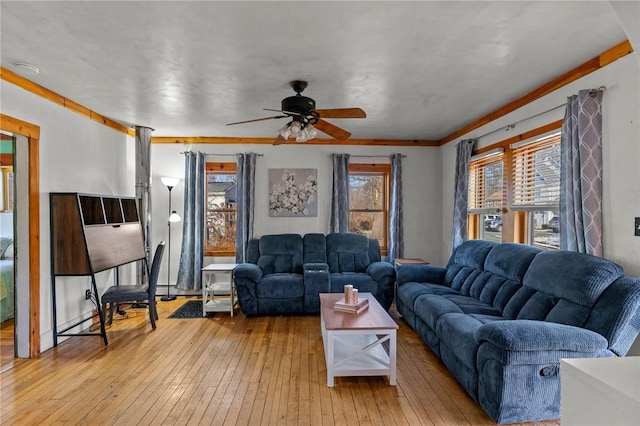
pixel 217 167
pixel 516 223
pixel 375 169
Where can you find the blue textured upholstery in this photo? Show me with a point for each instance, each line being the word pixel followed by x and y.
pixel 286 272
pixel 347 253
pixel 500 316
pixel 281 254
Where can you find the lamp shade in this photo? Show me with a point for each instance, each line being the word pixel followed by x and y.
pixel 170 182
pixel 174 217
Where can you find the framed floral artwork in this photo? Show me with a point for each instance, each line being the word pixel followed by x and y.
pixel 293 192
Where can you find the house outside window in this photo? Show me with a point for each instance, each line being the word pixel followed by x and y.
pixel 220 217
pixel 369 201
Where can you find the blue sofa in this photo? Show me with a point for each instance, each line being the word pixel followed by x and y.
pixel 284 273
pixel 501 316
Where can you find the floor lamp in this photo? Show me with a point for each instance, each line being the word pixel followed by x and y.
pixel 170 182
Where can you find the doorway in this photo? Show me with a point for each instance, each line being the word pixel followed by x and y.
pixel 7 251
pixel 26 235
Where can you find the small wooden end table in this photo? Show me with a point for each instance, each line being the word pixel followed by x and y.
pixel 218 296
pixel 358 344
pixel 410 261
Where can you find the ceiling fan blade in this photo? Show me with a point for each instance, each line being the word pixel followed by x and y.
pixel 256 119
pixel 331 130
pixel 284 112
pixel 342 113
pixel 279 140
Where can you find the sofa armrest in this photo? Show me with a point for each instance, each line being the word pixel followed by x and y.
pixel 381 271
pixel 420 274
pixel 528 335
pixel 248 271
pixel 384 274
pixel 316 280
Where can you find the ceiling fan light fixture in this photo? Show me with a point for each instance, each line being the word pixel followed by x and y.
pixel 285 131
pixel 303 136
pixel 295 128
pixel 311 131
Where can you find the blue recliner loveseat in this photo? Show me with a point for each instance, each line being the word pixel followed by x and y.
pixel 285 272
pixel 501 316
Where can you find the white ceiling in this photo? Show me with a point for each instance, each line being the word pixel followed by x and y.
pixel 420 69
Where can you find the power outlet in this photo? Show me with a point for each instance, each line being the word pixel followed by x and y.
pixel 637 227
pixel 87 294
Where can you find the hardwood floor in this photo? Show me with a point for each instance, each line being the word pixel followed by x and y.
pixel 225 370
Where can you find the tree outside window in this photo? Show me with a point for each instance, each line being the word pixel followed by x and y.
pixel 369 201
pixel 220 229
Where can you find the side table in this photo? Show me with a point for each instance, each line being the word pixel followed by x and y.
pixel 410 261
pixel 218 295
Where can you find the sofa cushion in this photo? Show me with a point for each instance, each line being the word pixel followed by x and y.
pixel 363 282
pixel 457 331
pixel 431 307
pixel 280 286
pixel 472 254
pixel 562 287
pixel 347 252
pixel 280 254
pixel 573 276
pixel 510 260
pixel 315 248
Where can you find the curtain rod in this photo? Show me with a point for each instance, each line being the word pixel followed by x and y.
pixel 371 156
pixel 220 155
pixel 513 125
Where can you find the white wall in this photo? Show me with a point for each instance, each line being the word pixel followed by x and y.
pixel 76 155
pixel 621 154
pixel 421 171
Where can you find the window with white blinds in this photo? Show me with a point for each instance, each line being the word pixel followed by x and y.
pixel 536 174
pixel 486 189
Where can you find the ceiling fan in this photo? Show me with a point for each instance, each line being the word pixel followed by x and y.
pixel 306 120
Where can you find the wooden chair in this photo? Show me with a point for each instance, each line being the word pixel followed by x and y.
pixel 136 293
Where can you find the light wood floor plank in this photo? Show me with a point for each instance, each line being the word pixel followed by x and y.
pixel 225 370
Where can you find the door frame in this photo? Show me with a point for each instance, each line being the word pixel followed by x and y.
pixel 32 133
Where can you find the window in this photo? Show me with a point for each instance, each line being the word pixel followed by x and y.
pixel 220 229
pixel 522 174
pixel 486 193
pixel 369 201
pixel 536 189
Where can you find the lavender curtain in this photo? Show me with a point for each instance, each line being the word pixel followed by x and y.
pixel 581 174
pixel 192 251
pixel 396 227
pixel 245 193
pixel 461 191
pixel 340 194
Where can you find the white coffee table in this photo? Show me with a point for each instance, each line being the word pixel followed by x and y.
pixel 218 295
pixel 358 344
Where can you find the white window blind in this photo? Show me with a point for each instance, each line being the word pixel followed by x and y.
pixel 536 174
pixel 486 189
